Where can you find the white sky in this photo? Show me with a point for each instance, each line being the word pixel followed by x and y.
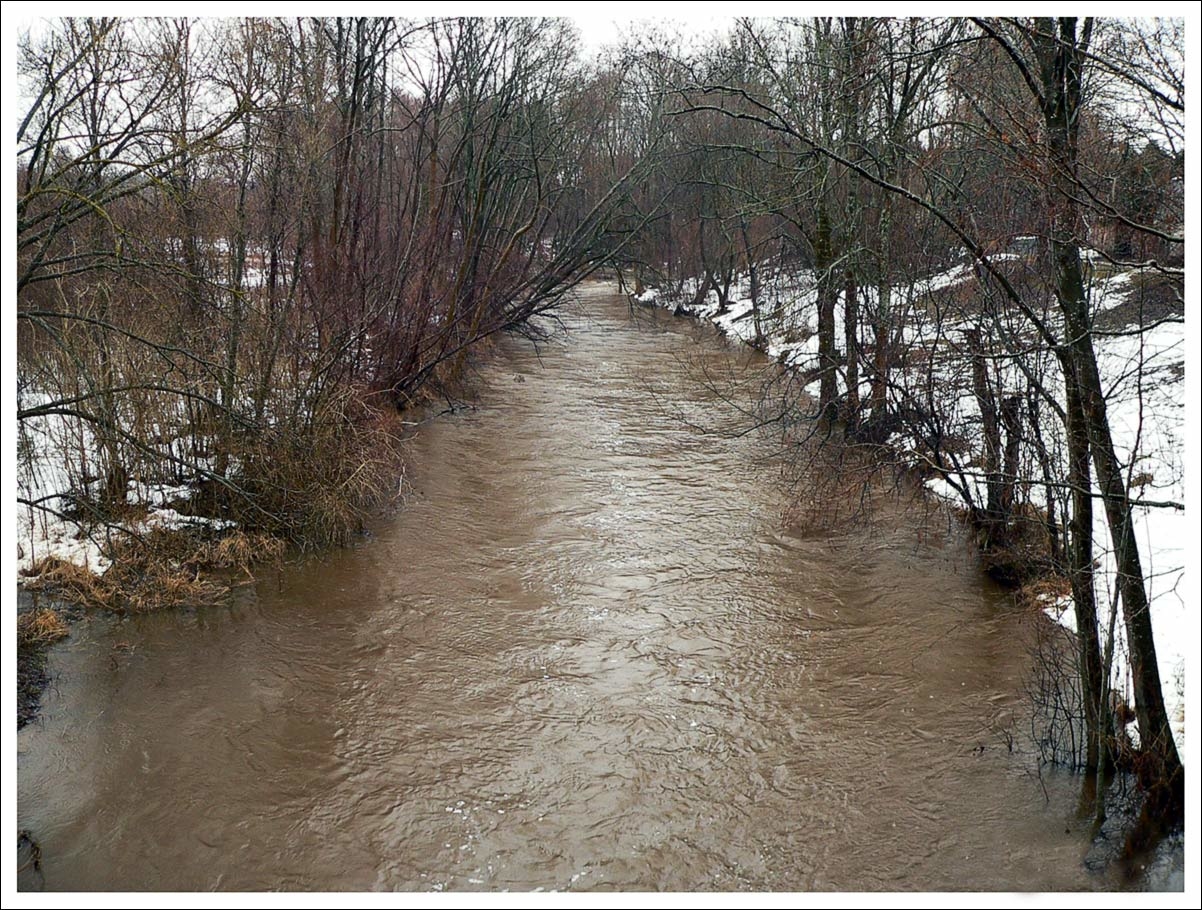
pixel 599 23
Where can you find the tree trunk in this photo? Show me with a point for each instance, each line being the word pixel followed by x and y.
pixel 1062 54
pixel 851 333
pixel 992 522
pixel 753 276
pixel 1081 573
pixel 827 293
pixel 882 335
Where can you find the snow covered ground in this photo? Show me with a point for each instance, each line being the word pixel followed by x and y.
pixel 1145 378
pixel 57 458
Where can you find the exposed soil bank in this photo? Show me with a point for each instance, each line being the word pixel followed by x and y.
pixel 31 680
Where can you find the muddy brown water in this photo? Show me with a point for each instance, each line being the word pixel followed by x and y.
pixel 586 655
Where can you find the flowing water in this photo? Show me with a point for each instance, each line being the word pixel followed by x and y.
pixel 587 654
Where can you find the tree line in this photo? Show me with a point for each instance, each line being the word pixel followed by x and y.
pixel 243 244
pixel 1042 156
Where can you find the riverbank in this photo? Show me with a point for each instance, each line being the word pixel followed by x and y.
pixel 38 628
pixel 162 548
pixel 587 629
pixel 1141 351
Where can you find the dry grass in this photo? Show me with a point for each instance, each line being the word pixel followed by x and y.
pixel 161 570
pixel 39 627
pixel 1044 592
pixel 319 489
pixel 840 486
pixel 241 551
pixel 66 580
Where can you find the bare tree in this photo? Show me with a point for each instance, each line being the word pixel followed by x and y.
pixel 1033 303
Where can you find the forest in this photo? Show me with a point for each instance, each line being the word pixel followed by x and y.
pixel 256 255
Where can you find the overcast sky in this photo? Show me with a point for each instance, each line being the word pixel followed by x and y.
pixel 600 23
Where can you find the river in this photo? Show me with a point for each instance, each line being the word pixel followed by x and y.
pixel 587 654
